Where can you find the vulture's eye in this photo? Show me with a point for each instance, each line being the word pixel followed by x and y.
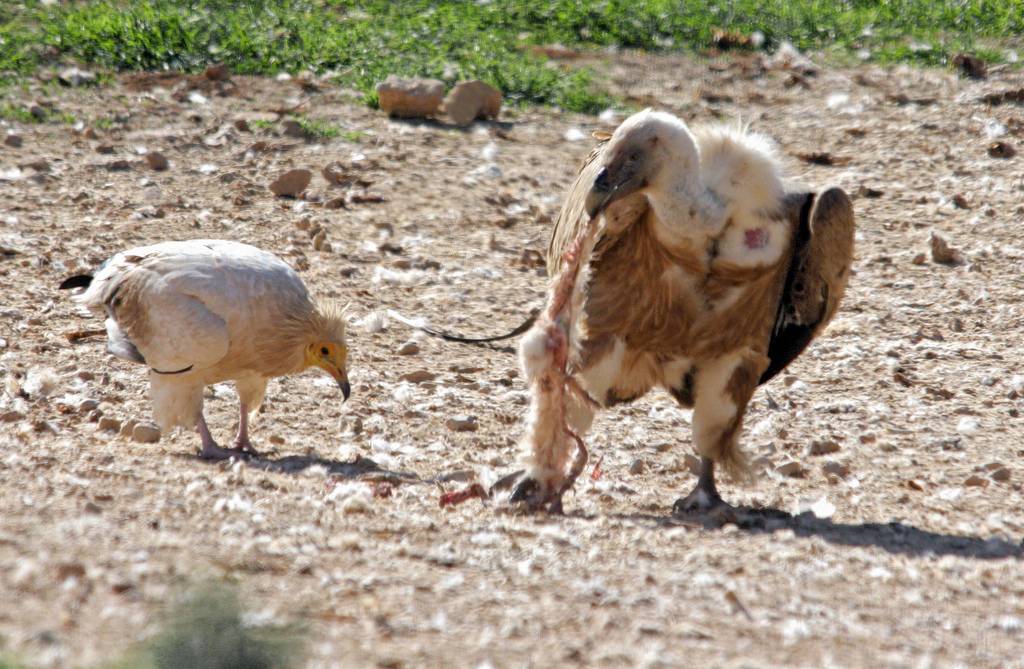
pixel 324 351
pixel 635 156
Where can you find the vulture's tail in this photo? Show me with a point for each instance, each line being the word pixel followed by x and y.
pixel 77 281
pixel 447 336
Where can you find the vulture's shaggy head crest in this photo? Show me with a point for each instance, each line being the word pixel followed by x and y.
pixel 327 348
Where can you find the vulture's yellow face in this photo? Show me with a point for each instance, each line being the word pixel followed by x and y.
pixel 330 357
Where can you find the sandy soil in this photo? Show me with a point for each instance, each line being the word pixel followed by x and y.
pixel 900 547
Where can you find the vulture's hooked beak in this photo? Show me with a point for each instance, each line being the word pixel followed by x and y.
pixel 611 185
pixel 600 193
pixel 343 383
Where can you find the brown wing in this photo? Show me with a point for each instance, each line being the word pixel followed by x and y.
pixel 822 255
pixel 572 218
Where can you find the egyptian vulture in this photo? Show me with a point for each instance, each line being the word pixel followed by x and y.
pixel 205 311
pixel 679 261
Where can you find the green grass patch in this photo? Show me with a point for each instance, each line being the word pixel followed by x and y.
pixel 261 124
pixel 22 114
pixel 321 129
pixel 318 128
pixel 362 41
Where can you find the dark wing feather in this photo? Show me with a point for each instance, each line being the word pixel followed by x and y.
pixel 618 216
pixel 822 255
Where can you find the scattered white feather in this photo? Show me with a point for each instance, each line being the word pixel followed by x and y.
pixel 486 171
pixel 375 321
pixel 351 497
pixel 821 507
pixel 837 100
pixel 235 503
pixel 489 152
pixel 968 426
pixel 197 98
pixel 40 382
pixel 994 129
pixel 408 277
pixel 574 135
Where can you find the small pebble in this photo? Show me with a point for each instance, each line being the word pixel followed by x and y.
pixel 792 468
pixel 462 424
pixel 419 376
pixel 157 161
pixel 409 348
pixel 822 447
pixel 109 424
pixel 637 466
pixel 291 183
pixel 145 433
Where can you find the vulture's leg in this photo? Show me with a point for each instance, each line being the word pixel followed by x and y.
pixel 211 451
pixel 705 496
pixel 242 442
pixel 251 390
pixel 722 389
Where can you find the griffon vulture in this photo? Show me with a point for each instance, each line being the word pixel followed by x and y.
pixel 205 311
pixel 681 262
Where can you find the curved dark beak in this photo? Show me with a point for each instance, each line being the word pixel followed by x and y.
pixel 346 389
pixel 600 193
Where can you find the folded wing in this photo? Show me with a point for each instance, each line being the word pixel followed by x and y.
pixel 820 269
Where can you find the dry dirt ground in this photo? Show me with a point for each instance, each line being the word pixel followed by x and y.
pixel 903 547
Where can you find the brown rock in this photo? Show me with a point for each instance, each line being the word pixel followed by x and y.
pixel 692 463
pixel 293 128
pixel 976 481
pixel 291 183
pixel 157 161
pixel 409 348
pixel 833 468
pixel 960 202
pixel 410 98
pixel 127 427
pixel 471 100
pixel 145 433
pixel 109 424
pixel 1001 150
pixel 942 252
pixel 970 66
pixel 217 72
pixel 1002 475
pixel 822 447
pixel 73 76
pixel 11 416
pixel 792 468
pixel 419 376
pixel 462 424
pixel 12 140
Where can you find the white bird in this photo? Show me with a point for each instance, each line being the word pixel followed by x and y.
pixel 681 263
pixel 205 311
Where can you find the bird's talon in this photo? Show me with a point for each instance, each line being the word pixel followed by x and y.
pixel 700 501
pixel 525 492
pixel 529 493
